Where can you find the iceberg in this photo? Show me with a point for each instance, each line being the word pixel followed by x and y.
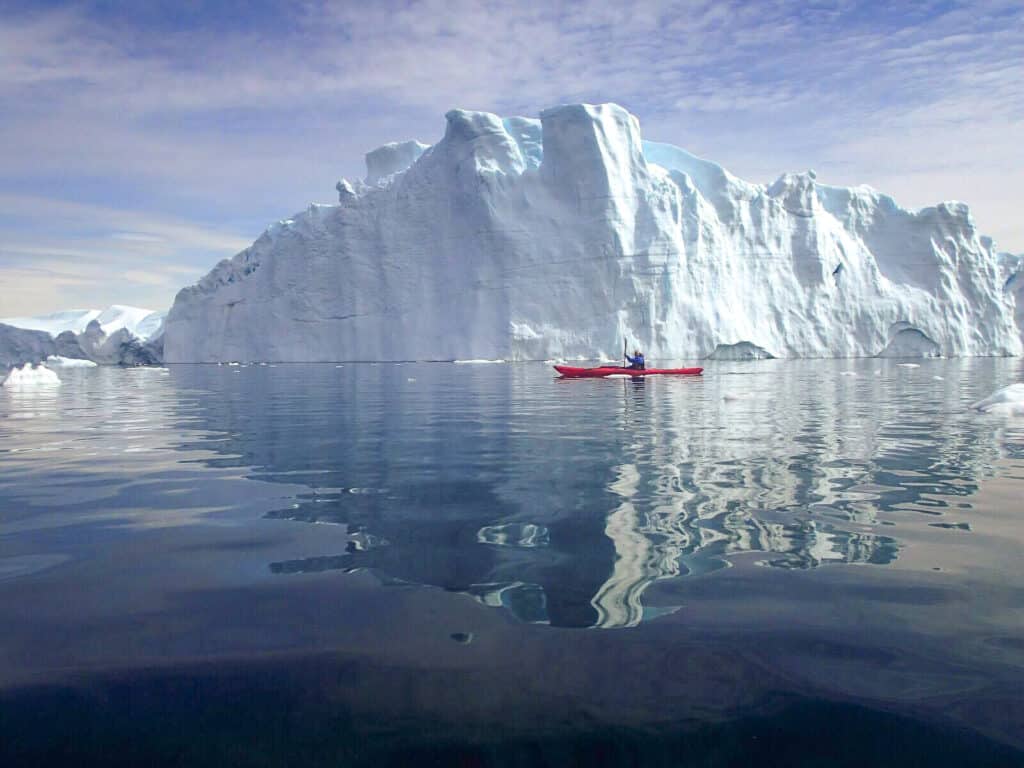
pixel 56 361
pixel 118 335
pixel 1008 401
pixel 29 377
pixel 19 346
pixel 141 323
pixel 523 239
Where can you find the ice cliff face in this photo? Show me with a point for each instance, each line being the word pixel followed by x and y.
pixel 19 346
pixel 560 237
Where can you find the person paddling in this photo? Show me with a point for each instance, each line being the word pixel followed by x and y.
pixel 636 362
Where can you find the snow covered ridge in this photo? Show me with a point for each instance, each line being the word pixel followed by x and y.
pixel 141 323
pixel 118 335
pixel 519 239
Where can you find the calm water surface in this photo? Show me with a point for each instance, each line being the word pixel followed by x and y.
pixel 787 563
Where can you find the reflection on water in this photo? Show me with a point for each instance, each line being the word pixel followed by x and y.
pixel 784 522
pixel 561 501
pixel 580 494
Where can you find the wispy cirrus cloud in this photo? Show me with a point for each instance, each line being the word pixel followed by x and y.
pixel 209 120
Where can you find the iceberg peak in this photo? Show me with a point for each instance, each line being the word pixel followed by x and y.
pixel 392 158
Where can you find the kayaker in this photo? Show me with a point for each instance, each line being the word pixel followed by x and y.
pixel 636 362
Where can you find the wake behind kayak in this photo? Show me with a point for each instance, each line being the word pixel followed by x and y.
pixel 570 372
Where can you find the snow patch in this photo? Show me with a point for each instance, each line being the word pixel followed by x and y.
pixel 392 158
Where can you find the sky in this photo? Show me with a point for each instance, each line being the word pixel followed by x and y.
pixel 142 142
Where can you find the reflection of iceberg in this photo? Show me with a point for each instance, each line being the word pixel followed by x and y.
pixel 514 535
pixel 621 485
pixel 527 602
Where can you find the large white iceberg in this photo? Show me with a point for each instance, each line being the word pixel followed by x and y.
pixel 558 238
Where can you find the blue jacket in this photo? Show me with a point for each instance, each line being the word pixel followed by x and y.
pixel 636 362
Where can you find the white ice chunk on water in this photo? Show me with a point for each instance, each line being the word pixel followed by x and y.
pixel 29 377
pixel 56 361
pixel 1007 401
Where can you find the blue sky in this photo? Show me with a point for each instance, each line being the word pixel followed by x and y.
pixel 142 142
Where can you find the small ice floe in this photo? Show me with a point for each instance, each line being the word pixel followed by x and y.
pixel 878 372
pixel 56 361
pixel 847 373
pixel 29 377
pixel 411 379
pixel 938 378
pixel 908 365
pixel 1008 401
pixel 476 362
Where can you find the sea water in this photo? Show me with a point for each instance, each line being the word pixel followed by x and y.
pixel 786 562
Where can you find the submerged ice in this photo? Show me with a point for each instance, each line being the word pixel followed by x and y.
pixel 557 238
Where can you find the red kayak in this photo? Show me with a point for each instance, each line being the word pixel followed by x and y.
pixel 614 370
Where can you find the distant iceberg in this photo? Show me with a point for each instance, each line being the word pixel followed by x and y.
pixel 118 335
pixel 139 322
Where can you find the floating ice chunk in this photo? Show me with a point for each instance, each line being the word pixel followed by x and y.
pixel 938 378
pixel 847 373
pixel 476 362
pixel 908 365
pixel 56 361
pixel 31 378
pixel 1008 401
